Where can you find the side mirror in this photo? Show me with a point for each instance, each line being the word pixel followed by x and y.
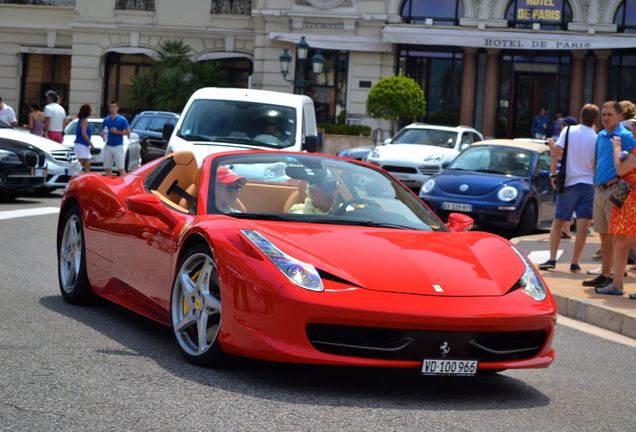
pixel 464 146
pixel 311 144
pixel 387 141
pixel 446 163
pixel 166 132
pixel 458 222
pixel 151 205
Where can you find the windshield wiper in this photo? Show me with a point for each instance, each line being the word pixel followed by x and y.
pixel 491 171
pixel 248 141
pixel 193 137
pixel 261 216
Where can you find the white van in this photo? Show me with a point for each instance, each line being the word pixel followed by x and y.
pixel 222 119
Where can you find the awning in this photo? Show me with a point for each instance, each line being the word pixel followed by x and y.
pixel 220 55
pixel 335 42
pixel 135 50
pixel 416 35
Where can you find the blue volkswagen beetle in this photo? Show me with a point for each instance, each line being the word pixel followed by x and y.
pixel 502 184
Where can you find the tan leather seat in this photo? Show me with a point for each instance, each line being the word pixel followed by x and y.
pixel 185 175
pixel 296 197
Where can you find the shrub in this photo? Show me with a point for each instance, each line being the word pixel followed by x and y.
pixel 345 129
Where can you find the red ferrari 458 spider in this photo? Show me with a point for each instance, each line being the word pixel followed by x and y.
pixel 306 258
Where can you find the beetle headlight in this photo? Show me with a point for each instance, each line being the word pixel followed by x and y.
pixel 507 193
pixel 530 282
pixel 302 274
pixel 436 158
pixel 428 186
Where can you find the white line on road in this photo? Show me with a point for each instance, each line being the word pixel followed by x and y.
pixel 596 331
pixel 13 214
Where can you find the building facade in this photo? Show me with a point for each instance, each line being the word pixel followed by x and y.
pixel 491 64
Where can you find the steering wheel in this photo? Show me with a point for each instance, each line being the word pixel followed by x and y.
pixel 267 138
pixel 355 202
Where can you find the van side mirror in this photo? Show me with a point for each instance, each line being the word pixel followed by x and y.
pixel 166 132
pixel 311 144
pixel 387 141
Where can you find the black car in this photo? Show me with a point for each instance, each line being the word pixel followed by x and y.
pixel 149 125
pixel 22 168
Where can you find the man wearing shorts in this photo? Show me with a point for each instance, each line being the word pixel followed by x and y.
pixel 117 127
pixel 578 194
pixel 54 116
pixel 605 181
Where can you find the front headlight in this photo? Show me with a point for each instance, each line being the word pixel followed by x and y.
pixel 302 274
pixel 436 158
pixel 530 282
pixel 428 186
pixel 507 193
pixel 7 156
pixel 374 153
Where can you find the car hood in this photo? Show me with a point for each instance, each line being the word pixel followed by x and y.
pixel 475 183
pixel 42 143
pixel 404 261
pixel 412 152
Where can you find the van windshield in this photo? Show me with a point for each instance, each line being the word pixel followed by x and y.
pixel 243 122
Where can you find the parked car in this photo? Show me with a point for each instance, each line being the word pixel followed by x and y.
pixel 132 147
pixel 419 150
pixel 22 167
pixel 377 280
pixel 500 183
pixel 149 126
pixel 60 162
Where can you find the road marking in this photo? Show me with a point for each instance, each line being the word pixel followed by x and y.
pixel 13 214
pixel 596 331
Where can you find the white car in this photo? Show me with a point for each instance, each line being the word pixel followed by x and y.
pixel 419 151
pixel 132 148
pixel 61 162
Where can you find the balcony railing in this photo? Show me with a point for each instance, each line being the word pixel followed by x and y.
pixel 238 7
pixel 40 2
pixel 141 5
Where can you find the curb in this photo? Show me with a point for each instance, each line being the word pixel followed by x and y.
pixel 591 313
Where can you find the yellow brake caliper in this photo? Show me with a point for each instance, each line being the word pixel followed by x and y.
pixel 186 308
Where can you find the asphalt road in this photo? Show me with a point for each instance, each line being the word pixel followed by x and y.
pixel 102 368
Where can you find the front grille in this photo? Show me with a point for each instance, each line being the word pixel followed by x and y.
pixel 400 169
pixel 31 159
pixel 398 344
pixel 65 156
pixel 429 169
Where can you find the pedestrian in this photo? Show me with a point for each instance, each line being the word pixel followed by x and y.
pixel 540 125
pixel 7 115
pixel 605 181
pixel 557 126
pixel 83 144
pixel 117 127
pixel 36 120
pixel 623 222
pixel 577 194
pixel 628 109
pixel 54 116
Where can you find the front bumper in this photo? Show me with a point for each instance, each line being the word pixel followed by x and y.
pixel 19 178
pixel 58 174
pixel 501 214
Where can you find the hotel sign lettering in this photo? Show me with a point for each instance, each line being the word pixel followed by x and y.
pixel 534 44
pixel 541 11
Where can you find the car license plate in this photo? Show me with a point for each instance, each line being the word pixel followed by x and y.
pixel 449 367
pixel 457 206
pixel 39 172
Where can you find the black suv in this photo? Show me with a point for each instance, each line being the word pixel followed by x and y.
pixel 149 125
pixel 22 168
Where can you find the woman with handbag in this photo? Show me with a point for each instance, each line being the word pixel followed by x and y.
pixel 83 144
pixel 623 222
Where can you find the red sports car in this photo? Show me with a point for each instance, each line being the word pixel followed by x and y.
pixel 299 257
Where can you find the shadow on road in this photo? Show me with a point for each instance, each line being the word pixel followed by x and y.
pixel 303 384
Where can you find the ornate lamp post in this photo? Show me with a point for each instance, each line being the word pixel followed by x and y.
pixel 317 62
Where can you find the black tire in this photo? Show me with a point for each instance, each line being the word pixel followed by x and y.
pixel 8 196
pixel 528 222
pixel 187 309
pixel 71 268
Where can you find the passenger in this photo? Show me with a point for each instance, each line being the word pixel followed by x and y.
pixel 227 188
pixel 320 199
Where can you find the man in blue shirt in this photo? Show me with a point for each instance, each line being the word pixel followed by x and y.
pixel 605 181
pixel 540 125
pixel 117 126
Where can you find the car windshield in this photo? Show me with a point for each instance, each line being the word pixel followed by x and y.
pixel 241 122
pixel 313 189
pixel 96 127
pixel 432 137
pixel 512 161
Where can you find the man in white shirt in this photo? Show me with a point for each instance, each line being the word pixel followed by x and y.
pixel 578 193
pixel 54 116
pixel 7 115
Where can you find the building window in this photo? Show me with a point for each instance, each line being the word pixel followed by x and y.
pixel 120 68
pixel 625 18
pixel 236 7
pixel 553 16
pixel 237 71
pixel 142 5
pixel 41 73
pixel 622 75
pixel 437 12
pixel 439 73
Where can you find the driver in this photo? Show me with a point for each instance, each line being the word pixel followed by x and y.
pixel 320 199
pixel 227 188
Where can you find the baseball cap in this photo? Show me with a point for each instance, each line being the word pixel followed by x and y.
pixel 570 120
pixel 224 175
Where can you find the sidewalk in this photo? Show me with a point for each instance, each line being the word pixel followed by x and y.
pixel 574 300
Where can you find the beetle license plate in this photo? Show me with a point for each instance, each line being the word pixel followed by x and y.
pixel 449 367
pixel 457 206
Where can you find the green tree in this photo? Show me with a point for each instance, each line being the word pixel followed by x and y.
pixel 172 78
pixel 396 97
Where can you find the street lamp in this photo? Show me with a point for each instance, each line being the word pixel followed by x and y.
pixel 317 62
